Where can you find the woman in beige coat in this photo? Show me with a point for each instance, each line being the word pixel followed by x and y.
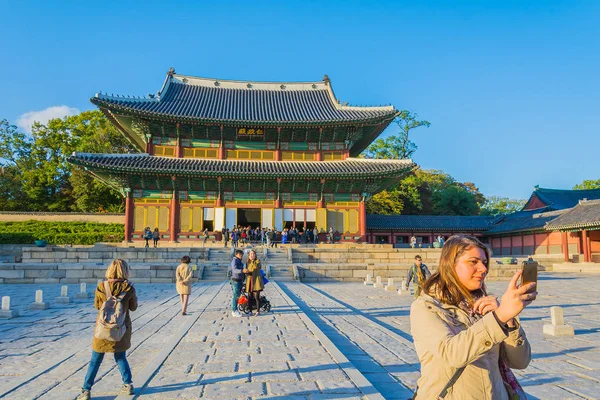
pixel 183 282
pixel 466 341
pixel 254 282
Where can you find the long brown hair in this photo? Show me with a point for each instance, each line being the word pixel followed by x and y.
pixel 444 283
pixel 118 269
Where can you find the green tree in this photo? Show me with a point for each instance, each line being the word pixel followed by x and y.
pixel 41 163
pixel 397 146
pixel 385 203
pixel 588 184
pixel 495 205
pixel 454 200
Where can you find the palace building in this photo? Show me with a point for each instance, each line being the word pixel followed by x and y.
pixel 220 153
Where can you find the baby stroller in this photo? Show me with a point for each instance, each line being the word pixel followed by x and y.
pixel 247 304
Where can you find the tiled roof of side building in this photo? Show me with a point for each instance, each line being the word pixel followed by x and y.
pixel 436 223
pixel 559 199
pixel 352 168
pixel 584 215
pixel 524 221
pixel 188 98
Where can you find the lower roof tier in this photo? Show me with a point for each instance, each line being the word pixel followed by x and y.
pixel 351 168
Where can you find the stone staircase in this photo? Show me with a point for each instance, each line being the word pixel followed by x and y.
pixel 215 268
pixel 280 265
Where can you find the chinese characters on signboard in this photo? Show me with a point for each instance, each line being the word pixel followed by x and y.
pixel 250 132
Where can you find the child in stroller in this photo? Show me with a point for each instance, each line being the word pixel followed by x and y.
pixel 247 303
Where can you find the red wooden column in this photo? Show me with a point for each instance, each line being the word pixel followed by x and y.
pixel 149 147
pixel 565 245
pixel 128 215
pixel 174 217
pixel 179 147
pixel 221 154
pixel 362 221
pixel 586 247
pixel 277 153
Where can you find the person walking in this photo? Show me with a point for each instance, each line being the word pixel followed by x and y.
pixel 254 283
pixel 156 237
pixel 147 236
pixel 315 235
pixel 467 342
pixel 237 280
pixel 413 242
pixel 183 282
pixel 226 236
pixel 268 235
pixel 205 235
pixel 331 238
pixel 418 273
pixel 116 285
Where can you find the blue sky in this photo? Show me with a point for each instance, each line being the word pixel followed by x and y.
pixel 512 88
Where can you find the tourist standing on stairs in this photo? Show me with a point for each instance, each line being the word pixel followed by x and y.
pixel 116 285
pixel 147 236
pixel 156 237
pixel 418 273
pixel 237 280
pixel 205 237
pixel 466 341
pixel 183 282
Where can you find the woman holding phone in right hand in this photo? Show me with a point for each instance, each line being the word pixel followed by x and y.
pixel 467 341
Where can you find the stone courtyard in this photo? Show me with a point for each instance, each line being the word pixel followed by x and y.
pixel 321 341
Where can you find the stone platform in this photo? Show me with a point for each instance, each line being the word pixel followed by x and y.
pixel 321 341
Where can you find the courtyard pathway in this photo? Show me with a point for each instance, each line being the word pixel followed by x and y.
pixel 321 341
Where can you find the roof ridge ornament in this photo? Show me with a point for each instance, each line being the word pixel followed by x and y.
pixel 326 79
pixel 171 71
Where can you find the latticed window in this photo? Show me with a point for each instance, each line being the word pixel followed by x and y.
pixel 137 193
pixel 354 197
pixel 165 194
pixel 284 146
pixel 183 195
pixel 270 196
pixel 286 196
pixel 186 142
pixel 313 197
pixel 271 146
pixel 228 195
pixel 328 197
pixel 313 146
pixel 215 143
pixel 228 144
pixel 211 195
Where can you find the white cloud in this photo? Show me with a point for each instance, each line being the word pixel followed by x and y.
pixel 26 120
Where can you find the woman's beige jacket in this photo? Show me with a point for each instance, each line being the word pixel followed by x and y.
pixel 446 340
pixel 183 279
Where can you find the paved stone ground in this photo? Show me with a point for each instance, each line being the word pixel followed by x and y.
pixel 322 340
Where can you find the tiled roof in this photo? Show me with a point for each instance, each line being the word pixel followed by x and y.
pixel 522 221
pixel 586 214
pixel 429 222
pixel 221 101
pixel 558 199
pixel 352 168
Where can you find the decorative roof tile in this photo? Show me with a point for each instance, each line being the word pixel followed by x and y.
pixel 223 101
pixel 437 223
pixel 524 221
pixel 351 168
pixel 559 199
pixel 584 215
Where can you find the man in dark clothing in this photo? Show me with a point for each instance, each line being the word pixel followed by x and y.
pixel 237 280
pixel 418 273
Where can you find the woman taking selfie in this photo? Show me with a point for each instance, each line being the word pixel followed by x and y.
pixel 466 341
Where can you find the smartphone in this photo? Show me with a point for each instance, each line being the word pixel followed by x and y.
pixel 530 272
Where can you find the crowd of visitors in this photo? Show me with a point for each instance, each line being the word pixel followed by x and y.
pixel 239 236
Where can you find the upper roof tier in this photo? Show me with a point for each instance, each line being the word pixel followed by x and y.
pixel 559 199
pixel 187 98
